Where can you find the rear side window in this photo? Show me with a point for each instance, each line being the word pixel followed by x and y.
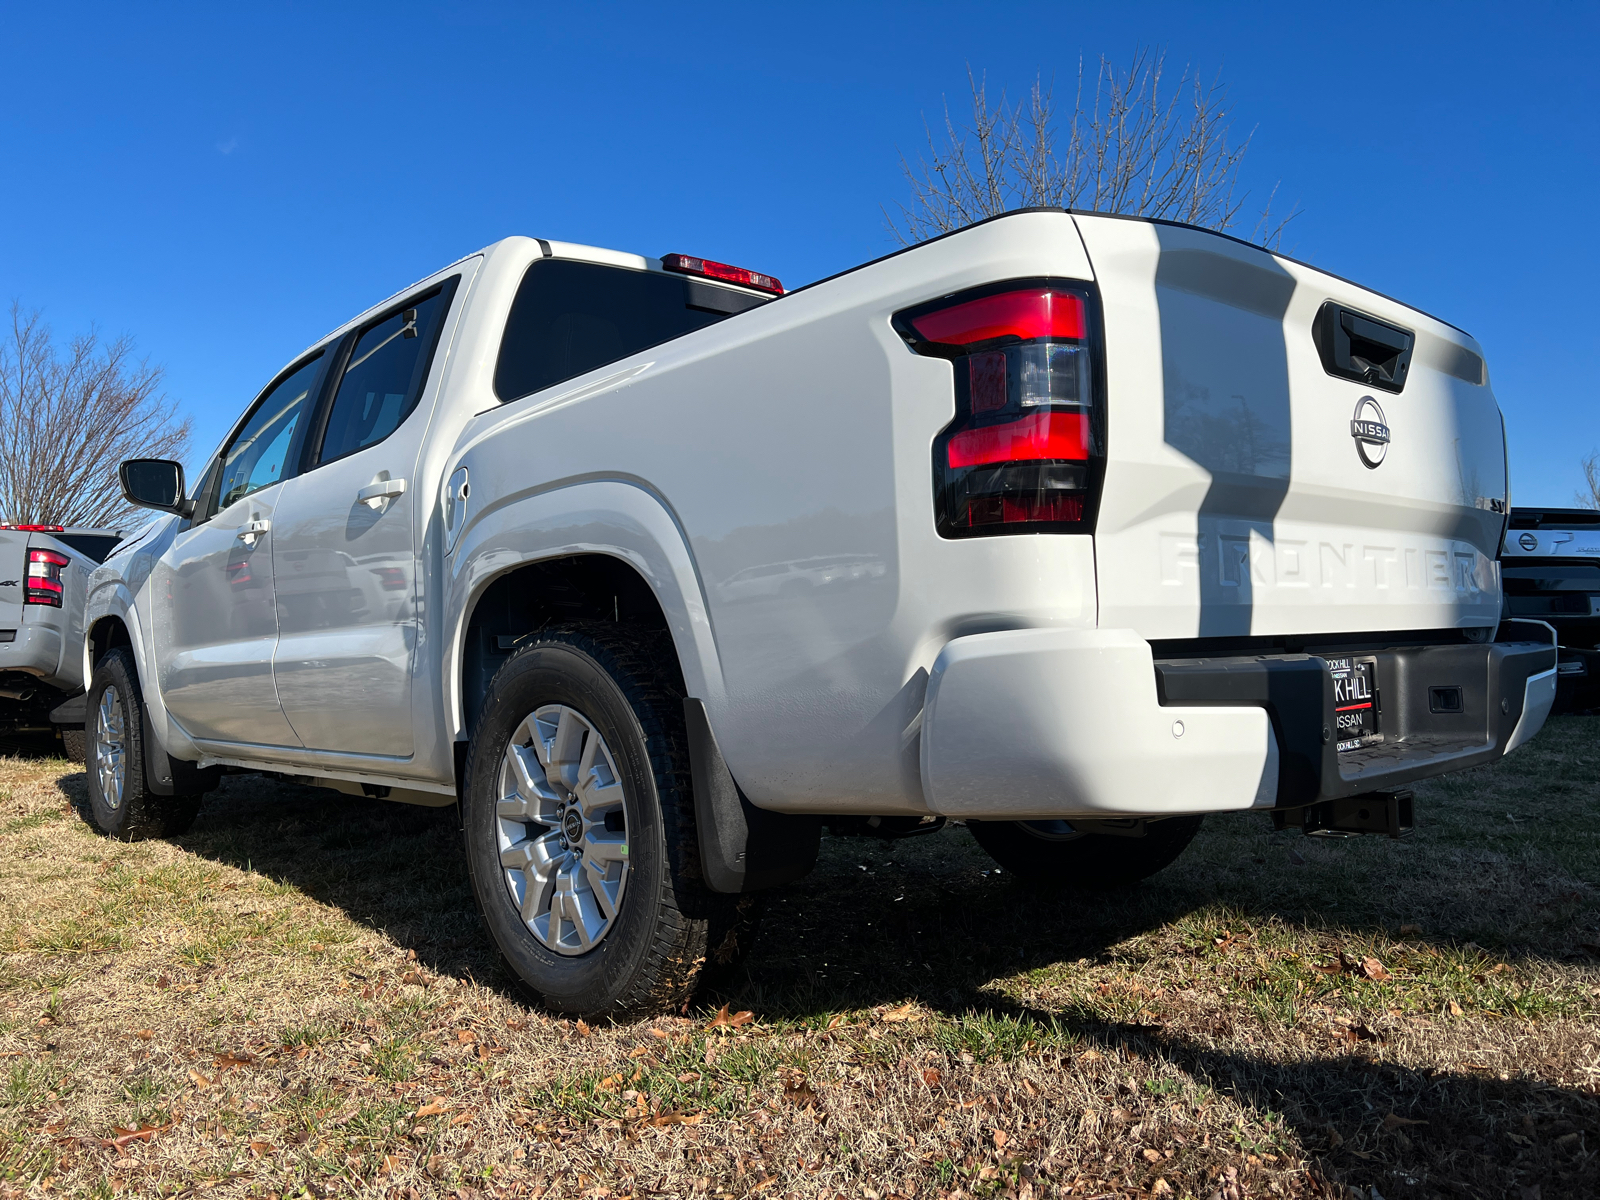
pixel 571 317
pixel 97 546
pixel 383 379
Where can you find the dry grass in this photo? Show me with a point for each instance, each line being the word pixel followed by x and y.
pixel 297 999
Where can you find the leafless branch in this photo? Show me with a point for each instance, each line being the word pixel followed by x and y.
pixel 68 415
pixel 1589 495
pixel 1130 148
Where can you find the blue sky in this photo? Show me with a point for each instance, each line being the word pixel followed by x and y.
pixel 225 183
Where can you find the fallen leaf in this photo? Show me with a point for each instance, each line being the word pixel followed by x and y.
pixel 1372 969
pixel 799 1092
pixel 231 1061
pixel 1001 1137
pixel 638 1051
pixel 906 1012
pixel 838 1020
pixel 611 1083
pixel 199 1080
pixel 262 1149
pixel 1495 970
pixel 689 1077
pixel 414 978
pixel 1395 1121
pixel 1151 1155
pixel 1090 1056
pixel 463 1119
pixel 676 1118
pixel 660 1033
pixel 466 1035
pixel 1161 1188
pixel 519 1023
pixel 1455 1009
pixel 163 982
pixel 931 1077
pixel 725 1019
pixel 583 1028
pixel 1027 1086
pixel 144 1034
pixel 126 1137
pixel 433 1108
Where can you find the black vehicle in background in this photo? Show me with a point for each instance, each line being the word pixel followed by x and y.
pixel 1550 567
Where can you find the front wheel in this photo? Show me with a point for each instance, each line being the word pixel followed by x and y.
pixel 579 824
pixel 1055 854
pixel 121 804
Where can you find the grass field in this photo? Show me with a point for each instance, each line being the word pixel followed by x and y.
pixel 297 999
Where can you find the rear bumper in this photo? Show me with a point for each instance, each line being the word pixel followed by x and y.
pixel 34 649
pixel 1056 723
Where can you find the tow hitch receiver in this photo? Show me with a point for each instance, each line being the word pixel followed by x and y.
pixel 1371 812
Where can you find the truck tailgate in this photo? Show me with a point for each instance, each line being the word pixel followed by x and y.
pixel 13 566
pixel 1238 499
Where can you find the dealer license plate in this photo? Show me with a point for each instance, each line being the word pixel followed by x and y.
pixel 1355 701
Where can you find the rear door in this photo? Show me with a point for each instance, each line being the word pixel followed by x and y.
pixel 1252 490
pixel 216 617
pixel 344 539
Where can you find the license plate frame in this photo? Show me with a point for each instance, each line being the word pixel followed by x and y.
pixel 1355 702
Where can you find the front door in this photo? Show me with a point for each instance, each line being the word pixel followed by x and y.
pixel 216 611
pixel 344 544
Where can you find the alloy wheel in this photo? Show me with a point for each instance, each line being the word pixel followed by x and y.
pixel 562 829
pixel 110 748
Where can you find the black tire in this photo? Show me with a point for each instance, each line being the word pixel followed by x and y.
pixel 74 745
pixel 138 812
pixel 1044 854
pixel 650 958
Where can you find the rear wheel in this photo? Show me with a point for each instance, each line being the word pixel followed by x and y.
pixel 120 801
pixel 1055 854
pixel 579 826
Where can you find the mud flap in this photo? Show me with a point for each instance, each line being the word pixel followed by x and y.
pixel 168 776
pixel 742 848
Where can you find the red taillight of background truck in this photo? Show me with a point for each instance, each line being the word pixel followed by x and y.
pixel 1026 451
pixel 44 578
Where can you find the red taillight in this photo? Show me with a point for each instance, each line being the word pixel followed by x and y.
pixel 1044 313
pixel 1025 451
pixel 1040 435
pixel 44 578
pixel 36 528
pixel 687 264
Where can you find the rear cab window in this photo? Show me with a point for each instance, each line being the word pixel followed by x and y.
pixel 571 317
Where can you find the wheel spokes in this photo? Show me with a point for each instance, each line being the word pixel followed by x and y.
pixel 566 875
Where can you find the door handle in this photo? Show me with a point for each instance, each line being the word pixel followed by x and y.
pixel 374 494
pixel 253 530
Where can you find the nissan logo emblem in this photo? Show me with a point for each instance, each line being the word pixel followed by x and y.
pixel 1528 542
pixel 1370 431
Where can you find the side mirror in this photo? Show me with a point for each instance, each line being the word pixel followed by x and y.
pixel 154 483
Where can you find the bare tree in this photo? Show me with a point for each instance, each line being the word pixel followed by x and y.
pixel 1588 496
pixel 1130 148
pixel 68 416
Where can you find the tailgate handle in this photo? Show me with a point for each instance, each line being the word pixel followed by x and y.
pixel 1355 346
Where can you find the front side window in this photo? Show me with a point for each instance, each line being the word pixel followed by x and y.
pixel 571 317
pixel 255 458
pixel 383 379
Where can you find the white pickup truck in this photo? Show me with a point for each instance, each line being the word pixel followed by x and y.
pixel 1073 528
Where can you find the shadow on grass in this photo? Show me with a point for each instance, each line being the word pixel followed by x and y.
pixel 932 920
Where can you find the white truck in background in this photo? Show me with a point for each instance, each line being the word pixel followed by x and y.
pixel 44 576
pixel 1070 527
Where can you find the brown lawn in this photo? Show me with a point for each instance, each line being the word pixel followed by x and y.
pixel 297 999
